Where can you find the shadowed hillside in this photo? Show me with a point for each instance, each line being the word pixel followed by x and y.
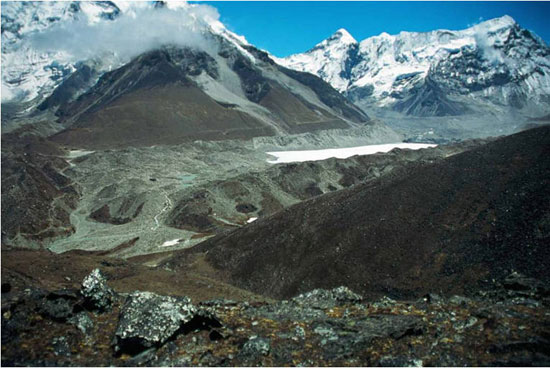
pixel 445 226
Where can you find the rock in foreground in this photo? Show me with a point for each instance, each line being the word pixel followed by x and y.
pixel 148 320
pixel 506 325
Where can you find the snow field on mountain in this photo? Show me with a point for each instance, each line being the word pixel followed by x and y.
pixel 316 155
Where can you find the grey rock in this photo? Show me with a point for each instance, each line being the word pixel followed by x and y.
pixel 340 339
pixel 321 298
pixel 143 358
pixel 433 298
pixel 219 303
pixel 57 309
pixel 58 305
pixel 287 311
pixel 254 348
pixel 300 332
pixel 97 294
pixel 179 361
pixel 520 283
pixel 399 361
pixel 384 302
pixel 459 300
pixel 83 322
pixel 148 320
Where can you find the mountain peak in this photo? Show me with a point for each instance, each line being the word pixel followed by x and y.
pixel 495 24
pixel 343 35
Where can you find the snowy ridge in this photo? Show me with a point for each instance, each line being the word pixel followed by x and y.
pixel 29 74
pixel 384 69
pixel 327 59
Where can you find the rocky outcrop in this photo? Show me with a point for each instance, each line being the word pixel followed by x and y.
pixel 148 320
pixel 97 294
pixel 504 325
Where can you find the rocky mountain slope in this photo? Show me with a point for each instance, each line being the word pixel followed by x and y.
pixel 172 95
pixel 210 85
pixel 493 68
pixel 446 226
pixel 37 198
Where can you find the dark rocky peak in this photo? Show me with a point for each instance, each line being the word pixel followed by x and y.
pixel 164 66
pixel 190 61
pixel 111 10
pixel 159 4
pixel 259 54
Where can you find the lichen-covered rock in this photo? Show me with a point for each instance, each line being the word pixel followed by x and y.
pixel 254 348
pixel 340 339
pixel 148 320
pixel 321 298
pixel 97 294
pixel 83 322
pixel 58 305
pixel 384 302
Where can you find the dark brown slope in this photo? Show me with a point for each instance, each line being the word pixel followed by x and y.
pixel 152 100
pixel 156 99
pixel 444 226
pixel 36 197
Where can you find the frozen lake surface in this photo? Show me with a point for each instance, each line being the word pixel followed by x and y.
pixel 315 155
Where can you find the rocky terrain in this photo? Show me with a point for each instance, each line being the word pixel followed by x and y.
pixel 124 196
pixel 480 298
pixel 145 223
pixel 95 324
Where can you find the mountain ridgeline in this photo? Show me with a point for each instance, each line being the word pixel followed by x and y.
pixel 495 69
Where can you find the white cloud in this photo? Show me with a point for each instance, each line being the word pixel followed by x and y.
pixel 489 52
pixel 138 29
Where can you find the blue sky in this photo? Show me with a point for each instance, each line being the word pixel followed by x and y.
pixel 285 28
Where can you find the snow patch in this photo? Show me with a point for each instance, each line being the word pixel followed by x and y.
pixel 170 243
pixel 250 220
pixel 316 155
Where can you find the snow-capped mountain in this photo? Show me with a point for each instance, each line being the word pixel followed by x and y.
pixel 151 73
pixel 26 72
pixel 31 69
pixel 491 67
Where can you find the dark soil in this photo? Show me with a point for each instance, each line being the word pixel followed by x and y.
pixel 448 226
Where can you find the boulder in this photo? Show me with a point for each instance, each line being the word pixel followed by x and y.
pixel 254 348
pixel 97 294
pixel 148 320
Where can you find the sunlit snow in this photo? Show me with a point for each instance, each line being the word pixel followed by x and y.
pixel 315 155
pixel 169 243
pixel 252 219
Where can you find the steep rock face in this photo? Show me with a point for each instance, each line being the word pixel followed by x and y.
pixel 153 100
pixel 449 225
pixel 489 67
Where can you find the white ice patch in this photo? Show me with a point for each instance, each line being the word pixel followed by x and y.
pixel 170 243
pixel 78 153
pixel 252 219
pixel 315 155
